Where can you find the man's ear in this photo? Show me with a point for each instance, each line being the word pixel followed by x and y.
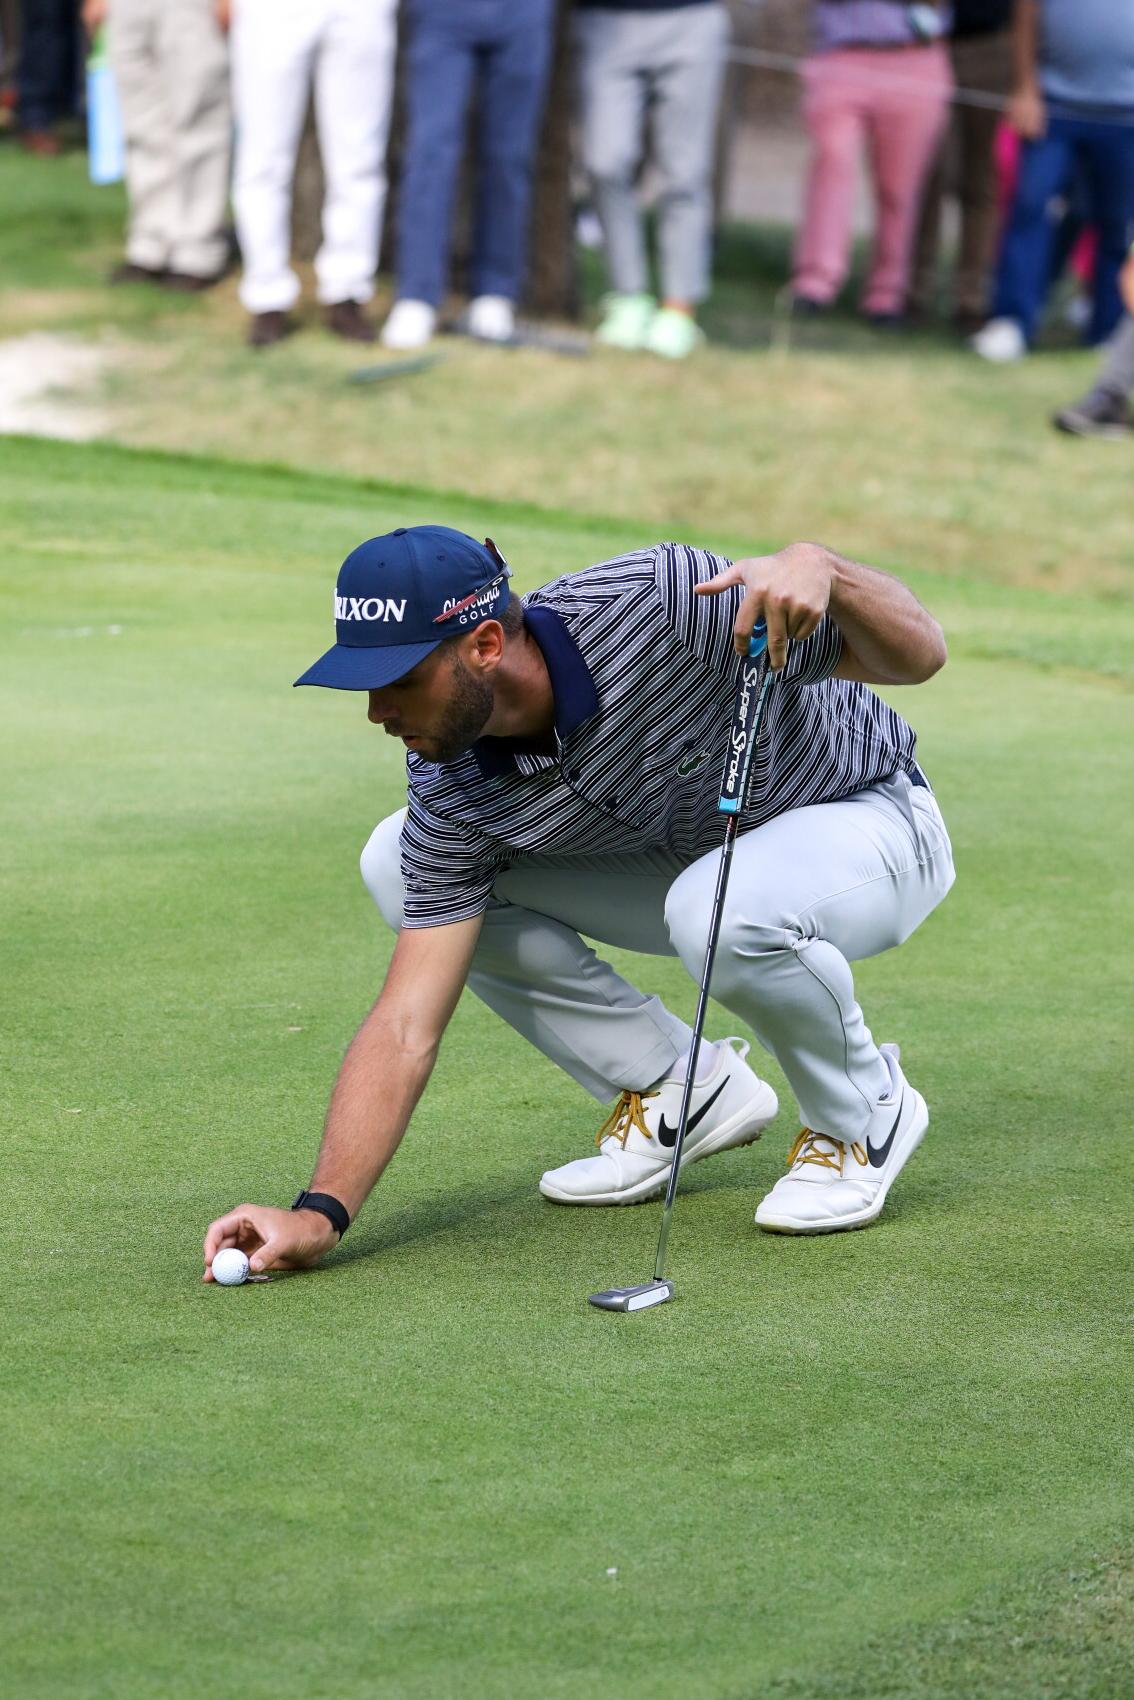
pixel 486 645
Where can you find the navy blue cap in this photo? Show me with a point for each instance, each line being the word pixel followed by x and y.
pixel 399 596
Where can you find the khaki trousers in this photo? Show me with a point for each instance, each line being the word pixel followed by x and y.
pixel 170 63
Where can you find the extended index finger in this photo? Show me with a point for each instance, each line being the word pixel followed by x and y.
pixel 748 616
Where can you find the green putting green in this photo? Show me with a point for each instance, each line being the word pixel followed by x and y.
pixel 894 1463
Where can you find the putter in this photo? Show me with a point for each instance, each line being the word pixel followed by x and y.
pixel 747 713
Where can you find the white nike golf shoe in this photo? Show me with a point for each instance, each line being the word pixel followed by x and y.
pixel 830 1184
pixel 730 1106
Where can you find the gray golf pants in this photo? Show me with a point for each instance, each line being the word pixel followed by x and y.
pixel 810 892
pixel 1117 374
pixel 668 62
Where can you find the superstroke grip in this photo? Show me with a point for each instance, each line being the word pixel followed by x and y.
pixel 745 720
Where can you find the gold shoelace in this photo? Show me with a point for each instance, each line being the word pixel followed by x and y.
pixel 626 1114
pixel 804 1151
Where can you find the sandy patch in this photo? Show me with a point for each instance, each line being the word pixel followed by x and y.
pixel 42 383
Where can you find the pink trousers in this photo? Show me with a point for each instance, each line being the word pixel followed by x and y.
pixel 896 102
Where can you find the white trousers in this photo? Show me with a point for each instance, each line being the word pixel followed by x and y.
pixel 810 892
pixel 279 47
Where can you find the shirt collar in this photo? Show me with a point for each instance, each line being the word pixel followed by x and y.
pixel 572 687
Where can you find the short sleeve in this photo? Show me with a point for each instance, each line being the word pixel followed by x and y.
pixel 702 624
pixel 448 868
pixel 816 658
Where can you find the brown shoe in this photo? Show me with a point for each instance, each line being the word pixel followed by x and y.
pixel 44 143
pixel 967 321
pixel 128 272
pixel 346 319
pixel 190 283
pixel 266 328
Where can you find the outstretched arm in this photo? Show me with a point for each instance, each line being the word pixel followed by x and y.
pixel 888 637
pixel 381 1079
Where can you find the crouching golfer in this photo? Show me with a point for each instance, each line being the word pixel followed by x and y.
pixel 565 754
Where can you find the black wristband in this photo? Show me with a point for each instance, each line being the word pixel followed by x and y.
pixel 336 1213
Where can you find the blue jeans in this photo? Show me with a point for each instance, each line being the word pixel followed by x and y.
pixel 48 62
pixel 1103 154
pixel 504 48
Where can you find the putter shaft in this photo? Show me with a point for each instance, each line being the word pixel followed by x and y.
pixel 747 716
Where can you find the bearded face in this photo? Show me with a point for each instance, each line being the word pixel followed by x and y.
pixel 439 709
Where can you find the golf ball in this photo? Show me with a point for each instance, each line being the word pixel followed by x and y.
pixel 230 1267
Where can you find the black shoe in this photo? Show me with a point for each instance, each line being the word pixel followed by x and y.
pixel 1101 413
pixel 806 307
pixel 346 319
pixel 190 283
pixel 264 329
pixel 128 272
pixel 886 321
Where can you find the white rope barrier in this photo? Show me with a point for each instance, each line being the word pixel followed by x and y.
pixel 791 63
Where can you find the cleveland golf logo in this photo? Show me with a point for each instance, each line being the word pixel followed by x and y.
pixel 369 608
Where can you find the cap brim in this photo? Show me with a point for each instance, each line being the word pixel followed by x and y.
pixel 346 668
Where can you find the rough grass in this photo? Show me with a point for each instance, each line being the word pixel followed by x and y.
pixel 896 1463
pixel 903 450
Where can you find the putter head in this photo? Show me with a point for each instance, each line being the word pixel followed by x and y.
pixel 633 1298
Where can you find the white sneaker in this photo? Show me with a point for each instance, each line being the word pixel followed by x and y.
pixel 492 318
pixel 830 1184
pixel 730 1106
pixel 411 324
pixel 1001 341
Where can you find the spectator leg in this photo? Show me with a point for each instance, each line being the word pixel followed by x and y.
pixel 512 93
pixel 976 252
pixel 1025 255
pixel 983 63
pixel 686 97
pixel 273 52
pixel 834 112
pixel 922 296
pixel 613 87
pixel 354 91
pixel 193 74
pixel 1117 372
pixel 1107 154
pixel 440 67
pixel 905 127
pixel 147 124
pixel 46 85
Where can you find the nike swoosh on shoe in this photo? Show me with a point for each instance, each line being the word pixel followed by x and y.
pixel 878 1154
pixel 667 1135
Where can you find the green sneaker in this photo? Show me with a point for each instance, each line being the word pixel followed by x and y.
pixel 673 335
pixel 625 321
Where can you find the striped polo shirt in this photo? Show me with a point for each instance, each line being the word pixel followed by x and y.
pixel 643 675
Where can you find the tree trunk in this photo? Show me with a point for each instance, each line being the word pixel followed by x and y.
pixel 553 283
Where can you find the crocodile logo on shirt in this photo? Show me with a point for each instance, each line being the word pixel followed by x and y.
pixel 690 764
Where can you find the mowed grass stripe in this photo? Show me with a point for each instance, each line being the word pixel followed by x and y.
pixel 409 1474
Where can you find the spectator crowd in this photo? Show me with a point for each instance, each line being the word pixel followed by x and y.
pixel 1022 109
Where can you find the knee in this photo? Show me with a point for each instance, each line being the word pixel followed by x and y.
pixel 610 158
pixel 752 942
pixel 686 182
pixel 381 867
